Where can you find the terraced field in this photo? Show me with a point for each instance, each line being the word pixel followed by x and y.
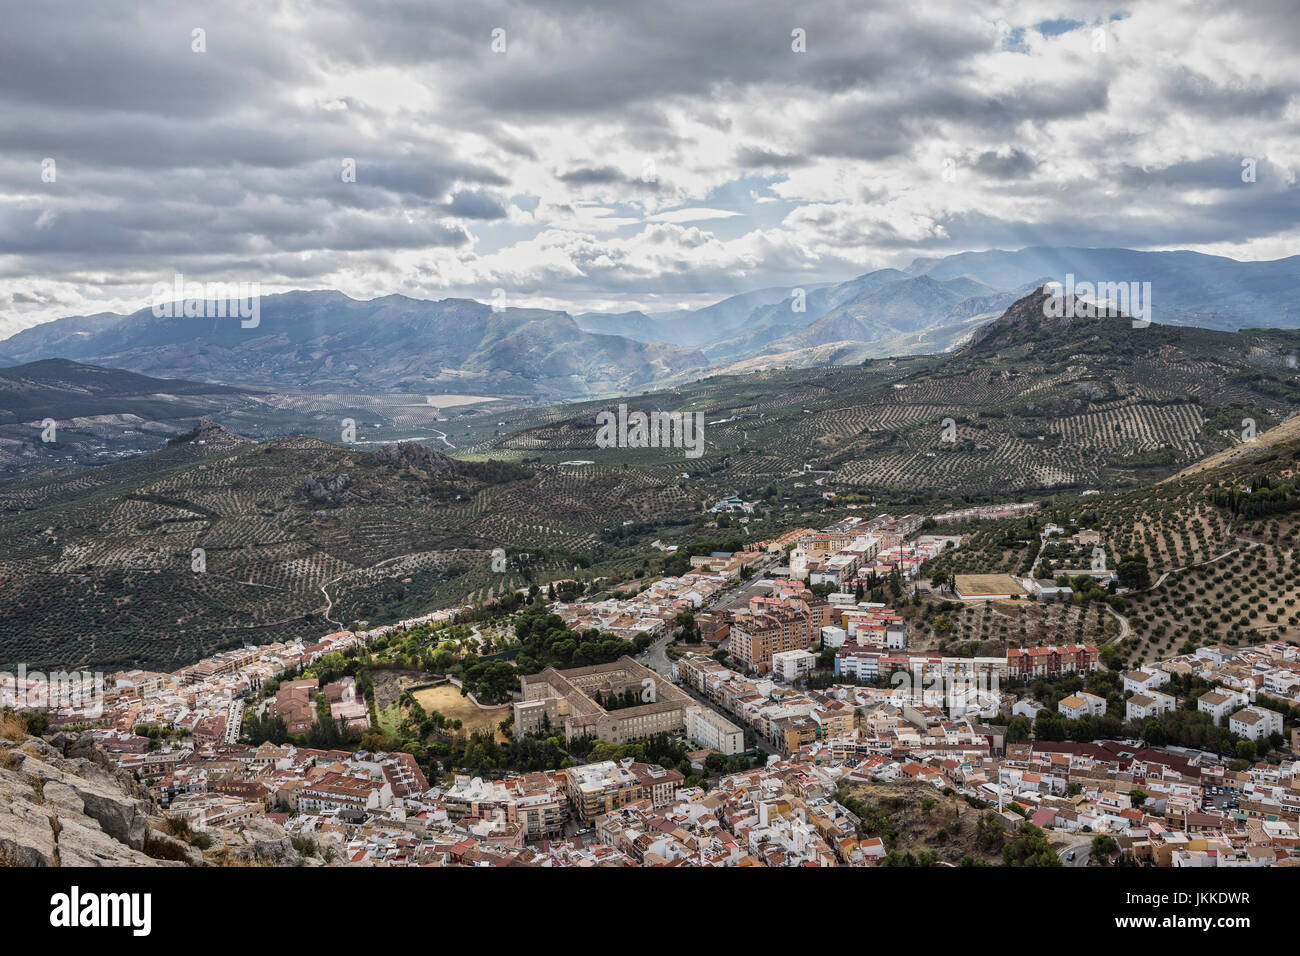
pixel 1033 408
pixel 297 535
pixel 157 561
pixel 1217 577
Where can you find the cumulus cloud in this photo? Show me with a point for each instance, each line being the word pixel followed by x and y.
pixel 630 154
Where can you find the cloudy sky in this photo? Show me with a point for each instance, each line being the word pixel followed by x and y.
pixel 616 155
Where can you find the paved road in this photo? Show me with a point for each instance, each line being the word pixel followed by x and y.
pixel 1123 624
pixel 760 743
pixel 656 657
pixel 1081 853
pixel 234 717
pixel 740 594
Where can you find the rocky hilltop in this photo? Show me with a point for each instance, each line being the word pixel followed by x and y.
pixel 63 803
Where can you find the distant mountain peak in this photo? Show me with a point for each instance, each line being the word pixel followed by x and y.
pixel 208 432
pixel 1037 312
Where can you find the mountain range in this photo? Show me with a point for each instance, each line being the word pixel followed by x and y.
pixel 327 341
pixel 297 533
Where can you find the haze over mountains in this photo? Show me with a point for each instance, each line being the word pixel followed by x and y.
pixel 930 306
pixel 301 533
pixel 325 340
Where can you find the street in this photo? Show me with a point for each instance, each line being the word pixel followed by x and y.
pixel 1081 852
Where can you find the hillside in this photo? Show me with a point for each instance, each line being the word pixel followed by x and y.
pixel 328 341
pixel 908 306
pixel 99 413
pixel 295 536
pixel 1188 288
pixel 884 310
pixel 1218 544
pixel 63 803
pixel 923 826
pixel 1288 431
pixel 1036 405
pixel 693 328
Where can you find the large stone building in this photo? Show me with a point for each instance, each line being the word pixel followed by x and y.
pixel 575 701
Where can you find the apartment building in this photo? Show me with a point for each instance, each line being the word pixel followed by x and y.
pixel 599 788
pixel 790 666
pixel 711 730
pixel 1219 704
pixel 336 791
pixel 756 637
pixel 1027 663
pixel 1151 704
pixel 1138 682
pixel 1255 723
pixel 1082 704
pixel 870 663
pixel 533 801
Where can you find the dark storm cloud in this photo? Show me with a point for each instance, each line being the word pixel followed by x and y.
pixel 474 205
pixel 1198 93
pixel 592 176
pixel 597 57
pixel 1012 163
pixel 757 157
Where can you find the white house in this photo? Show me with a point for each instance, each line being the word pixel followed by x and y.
pixel 1026 708
pixel 1255 723
pixel 1219 703
pixel 1049 590
pixel 1151 704
pixel 1082 704
pixel 1138 682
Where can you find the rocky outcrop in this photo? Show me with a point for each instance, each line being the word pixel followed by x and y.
pixel 259 842
pixel 417 457
pixel 328 489
pixel 64 803
pixel 57 810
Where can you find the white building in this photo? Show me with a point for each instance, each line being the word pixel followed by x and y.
pixel 1026 708
pixel 1139 682
pixel 1049 590
pixel 1255 723
pixel 1219 703
pixel 833 636
pixel 1151 704
pixel 1082 704
pixel 710 729
pixel 790 666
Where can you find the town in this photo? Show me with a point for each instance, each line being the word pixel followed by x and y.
pixel 757 709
